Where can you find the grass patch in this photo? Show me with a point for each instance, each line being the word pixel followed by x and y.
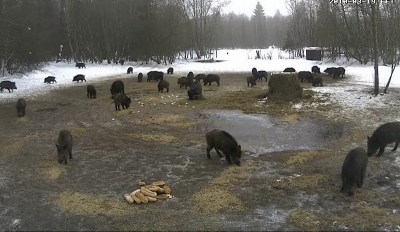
pixel 171 120
pixel 13 146
pixel 154 138
pixel 217 196
pixel 367 217
pixel 290 118
pixel 248 101
pixel 304 220
pixel 53 173
pixel 91 204
pixel 163 119
pixel 22 120
pixel 123 112
pixel 184 125
pixel 213 199
pixel 304 156
pixel 233 100
pixel 306 182
pixel 78 131
pixel 51 169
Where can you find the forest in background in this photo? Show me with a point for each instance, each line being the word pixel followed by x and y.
pixel 37 31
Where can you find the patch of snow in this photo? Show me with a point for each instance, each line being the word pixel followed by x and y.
pixel 303 198
pixel 297 106
pixel 357 101
pixel 233 60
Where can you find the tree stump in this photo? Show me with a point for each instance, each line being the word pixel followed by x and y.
pixel 284 86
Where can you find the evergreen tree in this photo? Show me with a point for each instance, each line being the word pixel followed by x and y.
pixel 260 22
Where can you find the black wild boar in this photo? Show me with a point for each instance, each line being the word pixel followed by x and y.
pixel 8 85
pixel 289 70
pixel 305 76
pixel 163 84
pixel 117 87
pixel 315 70
pixel 64 146
pixel 329 71
pixel 353 170
pixel 195 90
pixel 50 79
pixel 223 141
pixel 130 70
pixel 183 82
pixel 261 74
pixel 254 72
pixel 121 61
pixel 170 70
pixel 385 134
pixel 159 76
pixel 251 80
pixel 190 78
pixel 200 77
pixel 317 81
pixel 140 77
pixel 211 78
pixel 80 65
pixel 155 75
pixel 78 78
pixel 21 105
pixel 121 99
pixel 150 75
pixel 337 72
pixel 91 91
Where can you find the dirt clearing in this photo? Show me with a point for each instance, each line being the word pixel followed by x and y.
pixel 285 182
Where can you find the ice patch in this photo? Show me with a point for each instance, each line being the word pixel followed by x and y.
pixel 16 222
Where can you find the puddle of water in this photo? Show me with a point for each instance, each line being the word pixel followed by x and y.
pixel 262 133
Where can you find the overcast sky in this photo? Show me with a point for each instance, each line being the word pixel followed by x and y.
pixel 247 6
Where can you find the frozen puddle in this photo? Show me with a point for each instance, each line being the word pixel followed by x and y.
pixel 262 134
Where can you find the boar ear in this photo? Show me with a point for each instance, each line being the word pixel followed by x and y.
pixel 56 145
pixel 368 138
pixel 240 147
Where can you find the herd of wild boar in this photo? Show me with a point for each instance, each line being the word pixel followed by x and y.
pixel 353 168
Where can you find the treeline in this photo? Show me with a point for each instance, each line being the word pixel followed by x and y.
pixel 345 29
pixel 257 31
pixel 35 31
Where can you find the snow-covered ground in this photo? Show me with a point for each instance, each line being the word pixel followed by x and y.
pixel 238 60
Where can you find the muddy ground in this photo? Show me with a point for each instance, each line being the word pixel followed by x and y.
pixel 289 180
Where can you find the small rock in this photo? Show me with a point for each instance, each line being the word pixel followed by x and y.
pixel 113 119
pixel 16 222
